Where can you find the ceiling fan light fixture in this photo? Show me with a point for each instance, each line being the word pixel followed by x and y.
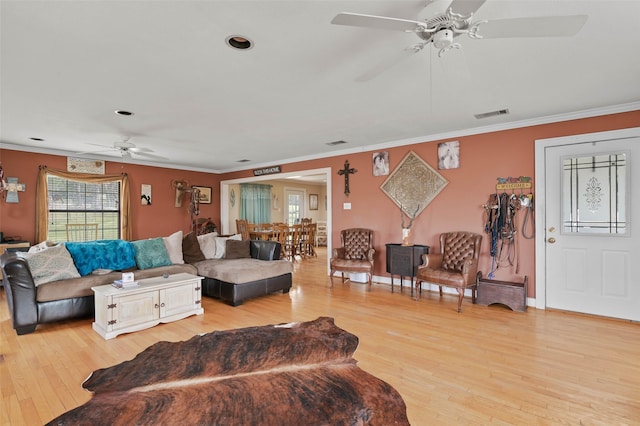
pixel 443 38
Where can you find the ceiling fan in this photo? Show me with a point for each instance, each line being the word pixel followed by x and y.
pixel 126 148
pixel 441 30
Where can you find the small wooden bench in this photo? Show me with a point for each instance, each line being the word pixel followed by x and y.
pixel 511 294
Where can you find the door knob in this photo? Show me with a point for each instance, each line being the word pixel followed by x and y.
pixel 551 240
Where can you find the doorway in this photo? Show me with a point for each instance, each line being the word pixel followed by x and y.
pixel 588 241
pixel 226 196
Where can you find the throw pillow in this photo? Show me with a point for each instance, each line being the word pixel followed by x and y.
pixel 207 244
pixel 238 249
pixel 173 244
pixel 41 246
pixel 151 253
pixel 102 254
pixel 191 249
pixel 52 264
pixel 221 245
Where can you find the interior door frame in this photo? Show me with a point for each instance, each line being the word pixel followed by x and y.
pixel 541 145
pixel 224 197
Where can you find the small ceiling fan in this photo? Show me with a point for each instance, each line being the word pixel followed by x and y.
pixel 441 30
pixel 127 150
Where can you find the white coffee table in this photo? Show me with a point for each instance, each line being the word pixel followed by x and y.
pixel 153 301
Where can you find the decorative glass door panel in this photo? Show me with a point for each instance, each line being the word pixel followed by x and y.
pixel 593 194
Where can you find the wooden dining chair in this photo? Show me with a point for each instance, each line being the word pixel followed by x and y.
pixel 82 231
pixel 242 226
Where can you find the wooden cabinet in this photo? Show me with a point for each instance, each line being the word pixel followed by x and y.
pixel 321 233
pixel 511 294
pixel 20 244
pixel 404 261
pixel 153 301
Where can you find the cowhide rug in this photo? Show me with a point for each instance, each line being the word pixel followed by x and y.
pixel 289 374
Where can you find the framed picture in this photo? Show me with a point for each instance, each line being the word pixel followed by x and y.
pixel 380 163
pixel 145 194
pixel 448 155
pixel 313 201
pixel 205 194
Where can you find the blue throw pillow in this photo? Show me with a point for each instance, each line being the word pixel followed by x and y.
pixel 102 254
pixel 151 253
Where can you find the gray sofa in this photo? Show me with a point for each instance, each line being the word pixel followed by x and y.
pixel 235 280
pixel 231 280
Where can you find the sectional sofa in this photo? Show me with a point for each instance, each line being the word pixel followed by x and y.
pixel 55 284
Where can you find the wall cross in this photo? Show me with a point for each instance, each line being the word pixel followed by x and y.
pixel 346 172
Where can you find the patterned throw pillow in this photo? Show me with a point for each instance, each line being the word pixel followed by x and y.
pixel 52 264
pixel 151 253
pixel 102 254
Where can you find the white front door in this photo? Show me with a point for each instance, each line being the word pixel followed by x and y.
pixel 592 225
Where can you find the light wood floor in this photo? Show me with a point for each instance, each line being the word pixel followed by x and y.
pixel 488 365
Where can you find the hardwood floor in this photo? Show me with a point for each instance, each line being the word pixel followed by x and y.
pixel 488 365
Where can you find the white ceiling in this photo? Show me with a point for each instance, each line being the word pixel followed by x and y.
pixel 67 65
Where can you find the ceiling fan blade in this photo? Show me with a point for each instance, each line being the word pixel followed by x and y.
pixel 389 62
pixel 543 26
pixel 152 156
pixel 380 22
pixel 465 7
pixel 93 152
pixel 138 150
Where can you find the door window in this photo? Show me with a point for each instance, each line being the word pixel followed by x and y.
pixel 593 196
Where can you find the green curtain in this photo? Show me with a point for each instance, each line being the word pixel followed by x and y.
pixel 255 202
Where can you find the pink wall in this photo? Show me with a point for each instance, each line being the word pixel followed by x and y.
pixel 161 218
pixel 483 158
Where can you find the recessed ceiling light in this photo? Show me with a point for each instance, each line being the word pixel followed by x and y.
pixel 123 112
pixel 239 42
pixel 37 139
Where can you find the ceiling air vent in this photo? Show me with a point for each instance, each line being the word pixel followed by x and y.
pixel 336 143
pixel 492 113
pixel 243 161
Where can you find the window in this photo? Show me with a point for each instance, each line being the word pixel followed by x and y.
pixel 295 205
pixel 75 202
pixel 102 199
pixel 594 194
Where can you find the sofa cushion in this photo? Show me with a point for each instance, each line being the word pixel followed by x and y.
pixel 207 244
pixel 173 244
pixel 221 245
pixel 238 271
pixel 102 254
pixel 191 249
pixel 81 287
pixel 151 253
pixel 54 263
pixel 238 249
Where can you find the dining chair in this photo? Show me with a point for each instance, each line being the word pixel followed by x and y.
pixel 242 226
pixel 82 231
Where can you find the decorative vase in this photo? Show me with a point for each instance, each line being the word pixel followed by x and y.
pixel 406 232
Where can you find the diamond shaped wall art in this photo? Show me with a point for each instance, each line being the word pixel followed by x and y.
pixel 413 184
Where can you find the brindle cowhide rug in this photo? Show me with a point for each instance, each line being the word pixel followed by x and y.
pixel 289 374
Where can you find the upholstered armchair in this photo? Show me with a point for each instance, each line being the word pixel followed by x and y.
pixel 455 266
pixel 355 255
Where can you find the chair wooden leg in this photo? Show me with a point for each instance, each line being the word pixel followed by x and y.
pixel 440 291
pixel 460 297
pixel 418 289
pixel 370 281
pixel 331 278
